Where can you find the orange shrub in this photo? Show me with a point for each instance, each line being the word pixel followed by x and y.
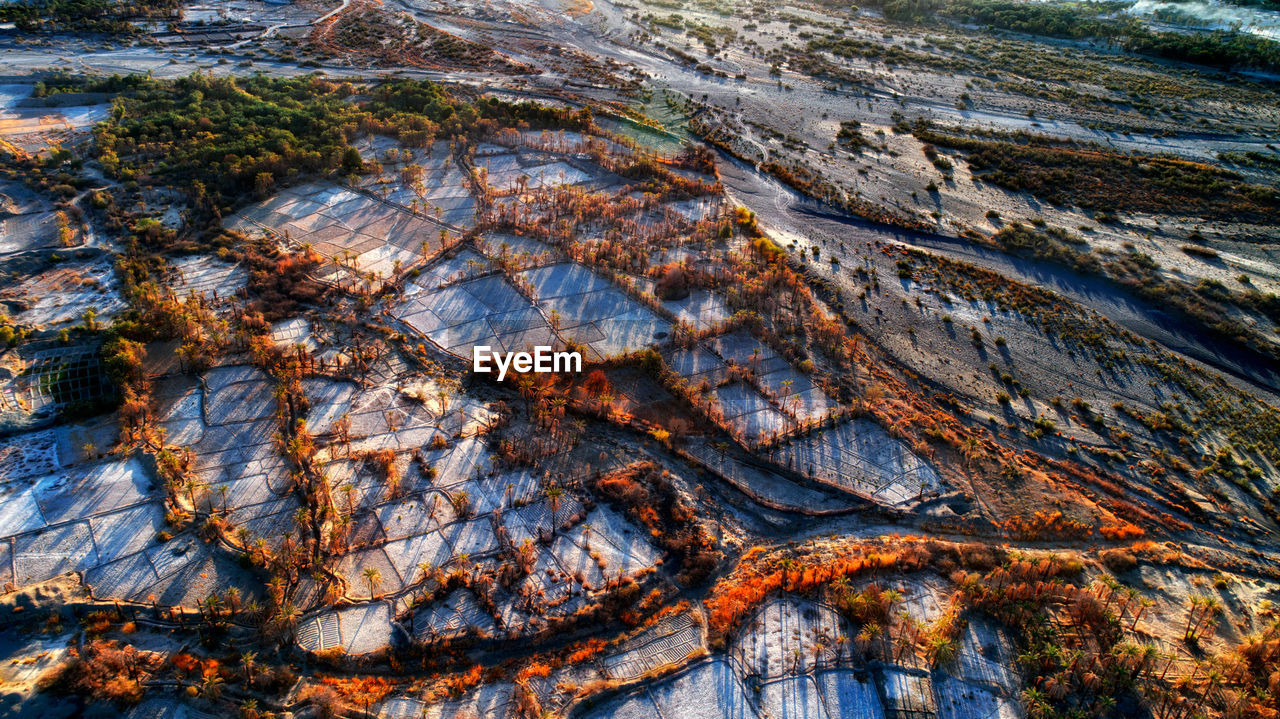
pixel 1122 531
pixel 585 651
pixel 458 684
pixel 535 670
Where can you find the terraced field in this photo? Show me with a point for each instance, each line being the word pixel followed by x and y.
pixel 927 360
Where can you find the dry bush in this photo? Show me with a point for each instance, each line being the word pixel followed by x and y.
pixel 323 698
pixel 673 282
pixel 1118 560
pixel 104 671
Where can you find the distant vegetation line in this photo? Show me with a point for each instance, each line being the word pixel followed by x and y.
pixel 105 16
pixel 1090 21
pixel 1098 178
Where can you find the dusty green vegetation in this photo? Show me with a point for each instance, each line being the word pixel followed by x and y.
pixel 1093 21
pixel 1209 303
pixel 226 141
pixel 1220 410
pixel 100 16
pixel 1093 177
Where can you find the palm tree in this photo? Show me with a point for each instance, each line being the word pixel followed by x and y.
pixel 232 596
pixel 192 484
pixel 373 577
pixel 555 496
pixel 247 659
pixel 527 553
pixel 288 617
pixel 214 605
pixel 1037 704
pixel 461 501
pixel 212 686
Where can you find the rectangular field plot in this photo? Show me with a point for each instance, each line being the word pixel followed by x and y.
pixel 631 706
pixel 708 691
pixel 458 614
pixel 19 511
pixel 460 462
pixel 129 578
pixel 789 636
pixel 371 235
pixel 61 296
pixel 702 309
pixel 464 315
pixel 697 364
pixel 521 249
pixel 407 555
pixel 353 565
pixel 845 696
pixel 792 697
pixel 744 350
pixel 861 457
pixel 765 486
pixel 618 545
pixel 357 630
pixel 594 312
pixel 907 694
pixel 425 180
pixel 696 209
pixel 128 531
pixel 956 699
pixel 400 519
pixel 460 266
pixel 986 657
pixel 98 489
pixel 738 399
pixel 748 413
pixel 207 277
pixel 46 554
pixel 667 642
pixel 509 173
pixel 566 278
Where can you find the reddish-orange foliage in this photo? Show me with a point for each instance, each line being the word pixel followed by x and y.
pixel 1122 531
pixel 360 691
pixel 185 663
pixel 537 669
pixel 1045 525
pixel 105 671
pixel 585 651
pixel 460 683
pixel 750 583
